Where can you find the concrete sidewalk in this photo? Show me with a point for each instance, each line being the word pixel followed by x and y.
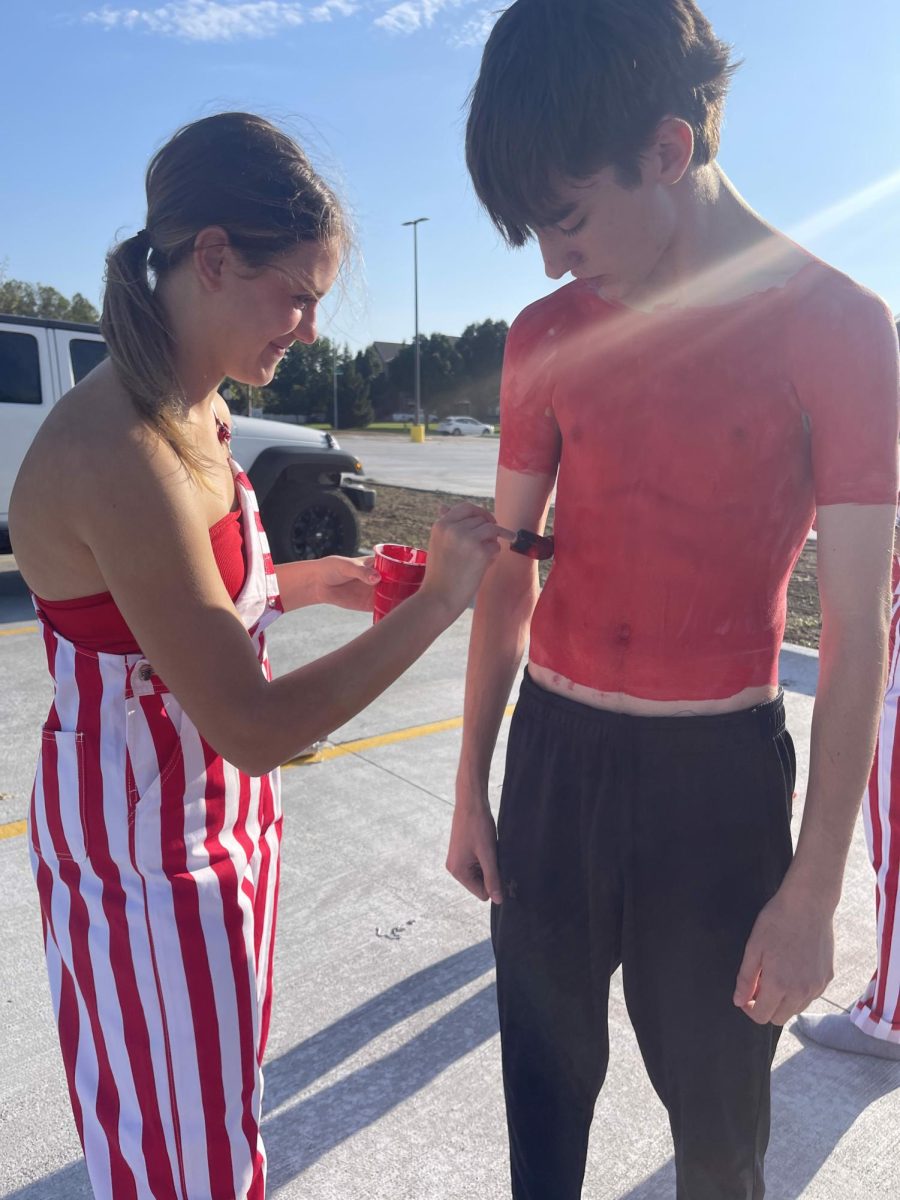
pixel 383 1075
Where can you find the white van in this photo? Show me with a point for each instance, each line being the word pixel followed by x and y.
pixel 308 488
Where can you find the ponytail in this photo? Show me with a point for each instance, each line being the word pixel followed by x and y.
pixel 141 348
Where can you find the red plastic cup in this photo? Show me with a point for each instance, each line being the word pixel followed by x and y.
pixel 402 569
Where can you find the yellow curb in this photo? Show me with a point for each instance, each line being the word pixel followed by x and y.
pixel 18 632
pixel 13 829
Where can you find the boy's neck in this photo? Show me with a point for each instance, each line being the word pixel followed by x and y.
pixel 721 249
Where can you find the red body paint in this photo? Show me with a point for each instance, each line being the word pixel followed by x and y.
pixel 693 447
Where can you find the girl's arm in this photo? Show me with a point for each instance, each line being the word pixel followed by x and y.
pixel 141 518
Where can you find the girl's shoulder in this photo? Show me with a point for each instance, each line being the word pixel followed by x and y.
pixel 92 453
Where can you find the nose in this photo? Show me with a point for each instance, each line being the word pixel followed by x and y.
pixel 307 331
pixel 555 258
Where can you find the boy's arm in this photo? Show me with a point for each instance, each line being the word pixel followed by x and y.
pixel 503 611
pixel 788 961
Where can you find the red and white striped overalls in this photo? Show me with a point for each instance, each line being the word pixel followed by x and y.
pixel 878 1010
pixel 157 865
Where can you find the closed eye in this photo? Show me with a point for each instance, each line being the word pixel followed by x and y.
pixel 575 228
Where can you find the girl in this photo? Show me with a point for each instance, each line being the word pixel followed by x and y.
pixel 156 819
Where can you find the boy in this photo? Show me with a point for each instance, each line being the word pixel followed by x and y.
pixel 700 389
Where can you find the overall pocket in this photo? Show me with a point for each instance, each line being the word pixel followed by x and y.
pixel 59 816
pixel 172 801
pixel 153 738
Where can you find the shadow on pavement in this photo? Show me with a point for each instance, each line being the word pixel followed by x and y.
pixel 297 1138
pixel 300 1136
pixel 310 1060
pixel 71 1183
pixel 817 1095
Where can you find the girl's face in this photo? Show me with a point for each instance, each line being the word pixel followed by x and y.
pixel 261 312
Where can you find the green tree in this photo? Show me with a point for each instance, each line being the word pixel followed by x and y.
pixel 82 310
pixel 368 363
pixel 441 372
pixel 381 394
pixel 39 300
pixel 354 404
pixel 481 348
pixel 238 396
pixel 303 382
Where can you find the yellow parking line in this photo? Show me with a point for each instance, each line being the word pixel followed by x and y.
pixel 327 753
pixel 19 631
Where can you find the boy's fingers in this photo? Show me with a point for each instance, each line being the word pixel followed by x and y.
pixel 491 875
pixel 762 1008
pixel 748 978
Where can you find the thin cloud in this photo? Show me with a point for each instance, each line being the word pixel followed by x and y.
pixel 476 30
pixel 205 20
pixel 324 12
pixel 230 20
pixel 413 15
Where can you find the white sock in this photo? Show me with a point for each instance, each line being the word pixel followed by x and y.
pixel 838 1032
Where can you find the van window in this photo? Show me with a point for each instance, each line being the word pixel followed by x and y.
pixel 85 356
pixel 20 369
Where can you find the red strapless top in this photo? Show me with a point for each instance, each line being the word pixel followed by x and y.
pixel 95 623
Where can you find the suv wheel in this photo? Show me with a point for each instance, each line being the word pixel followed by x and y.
pixel 303 523
pixel 457 433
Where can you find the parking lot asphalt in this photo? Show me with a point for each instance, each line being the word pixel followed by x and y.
pixel 383 1076
pixel 466 466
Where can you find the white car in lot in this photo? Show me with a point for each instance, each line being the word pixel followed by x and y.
pixel 458 426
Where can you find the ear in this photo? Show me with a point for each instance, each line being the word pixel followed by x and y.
pixel 212 250
pixel 672 149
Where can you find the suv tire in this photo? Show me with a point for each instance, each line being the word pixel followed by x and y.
pixel 306 523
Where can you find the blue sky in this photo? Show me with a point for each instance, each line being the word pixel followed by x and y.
pixel 375 89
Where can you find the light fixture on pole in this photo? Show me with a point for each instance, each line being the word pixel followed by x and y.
pixel 415 228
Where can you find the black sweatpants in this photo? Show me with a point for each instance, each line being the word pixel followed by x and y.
pixel 652 842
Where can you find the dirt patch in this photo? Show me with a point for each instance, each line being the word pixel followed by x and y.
pixel 406 516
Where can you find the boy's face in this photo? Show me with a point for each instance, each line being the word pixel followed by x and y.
pixel 608 232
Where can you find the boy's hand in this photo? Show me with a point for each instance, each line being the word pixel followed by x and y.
pixel 472 854
pixel 789 959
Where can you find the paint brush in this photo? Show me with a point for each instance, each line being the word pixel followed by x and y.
pixel 532 545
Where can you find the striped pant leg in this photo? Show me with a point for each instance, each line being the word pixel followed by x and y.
pixel 266 869
pixel 105 1014
pixel 150 916
pixel 203 901
pixel 877 1012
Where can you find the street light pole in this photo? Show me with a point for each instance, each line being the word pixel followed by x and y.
pixel 334 422
pixel 335 371
pixel 415 228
